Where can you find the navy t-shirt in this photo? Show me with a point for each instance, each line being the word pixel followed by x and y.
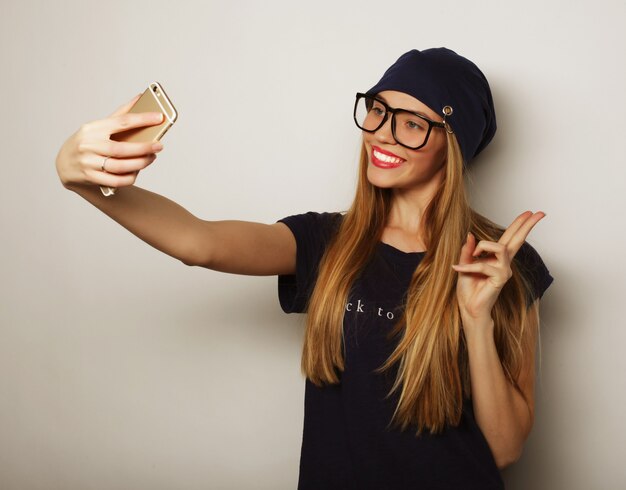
pixel 346 443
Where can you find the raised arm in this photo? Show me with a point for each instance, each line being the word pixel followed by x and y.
pixel 238 247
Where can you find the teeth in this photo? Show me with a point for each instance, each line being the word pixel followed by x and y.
pixel 386 158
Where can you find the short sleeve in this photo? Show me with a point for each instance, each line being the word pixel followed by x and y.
pixel 312 232
pixel 533 267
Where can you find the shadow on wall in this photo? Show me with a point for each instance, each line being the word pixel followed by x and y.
pixel 542 460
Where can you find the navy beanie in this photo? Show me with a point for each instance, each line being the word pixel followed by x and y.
pixel 439 77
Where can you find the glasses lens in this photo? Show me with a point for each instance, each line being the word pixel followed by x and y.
pixel 410 129
pixel 369 113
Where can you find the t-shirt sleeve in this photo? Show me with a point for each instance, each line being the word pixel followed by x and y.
pixel 533 267
pixel 312 232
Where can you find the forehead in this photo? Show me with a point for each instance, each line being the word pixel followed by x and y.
pixel 400 100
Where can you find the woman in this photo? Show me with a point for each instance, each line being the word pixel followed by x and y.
pixel 422 314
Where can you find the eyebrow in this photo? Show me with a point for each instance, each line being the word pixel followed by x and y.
pixel 409 110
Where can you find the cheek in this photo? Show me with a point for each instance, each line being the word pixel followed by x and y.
pixel 435 157
pixel 427 160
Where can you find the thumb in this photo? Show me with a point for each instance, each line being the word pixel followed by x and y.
pixel 123 109
pixel 467 250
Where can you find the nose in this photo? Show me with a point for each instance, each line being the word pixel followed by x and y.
pixel 384 133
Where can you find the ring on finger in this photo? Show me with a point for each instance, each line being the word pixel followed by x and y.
pixel 104 163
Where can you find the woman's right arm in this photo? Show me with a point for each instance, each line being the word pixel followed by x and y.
pixel 238 247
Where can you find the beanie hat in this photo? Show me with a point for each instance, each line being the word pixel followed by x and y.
pixel 439 77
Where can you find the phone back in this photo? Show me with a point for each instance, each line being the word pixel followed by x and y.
pixel 154 99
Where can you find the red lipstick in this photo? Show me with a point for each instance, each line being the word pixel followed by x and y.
pixel 385 159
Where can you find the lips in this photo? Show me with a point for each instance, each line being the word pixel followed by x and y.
pixel 385 159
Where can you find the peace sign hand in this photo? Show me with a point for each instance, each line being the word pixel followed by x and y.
pixel 481 279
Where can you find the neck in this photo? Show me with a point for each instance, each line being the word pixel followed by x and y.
pixel 408 206
pixel 404 227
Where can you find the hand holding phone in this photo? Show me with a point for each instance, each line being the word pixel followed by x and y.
pixel 153 99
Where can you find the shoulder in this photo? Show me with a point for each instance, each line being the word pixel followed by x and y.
pixel 534 269
pixel 312 232
pixel 322 224
pixel 527 257
pixel 314 216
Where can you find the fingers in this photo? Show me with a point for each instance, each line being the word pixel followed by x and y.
pixel 121 119
pixel 119 149
pixel 524 230
pixel 498 275
pixel 486 247
pixel 496 268
pixel 515 235
pixel 480 267
pixel 108 179
pixel 513 227
pixel 119 166
pixel 122 122
pixel 467 248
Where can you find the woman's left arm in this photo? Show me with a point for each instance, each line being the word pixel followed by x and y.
pixel 500 410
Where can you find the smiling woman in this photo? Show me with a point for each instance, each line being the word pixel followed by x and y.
pixel 422 314
pixel 412 368
pixel 393 142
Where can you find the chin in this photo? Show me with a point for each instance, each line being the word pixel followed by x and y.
pixel 377 180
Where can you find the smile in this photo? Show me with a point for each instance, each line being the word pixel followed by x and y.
pixel 384 160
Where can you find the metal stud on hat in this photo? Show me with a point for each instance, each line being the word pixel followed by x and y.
pixel 447 111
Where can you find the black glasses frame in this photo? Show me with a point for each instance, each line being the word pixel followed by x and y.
pixel 393 111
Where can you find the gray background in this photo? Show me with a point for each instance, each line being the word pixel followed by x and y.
pixel 123 368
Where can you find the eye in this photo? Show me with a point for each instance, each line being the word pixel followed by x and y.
pixel 416 124
pixel 378 109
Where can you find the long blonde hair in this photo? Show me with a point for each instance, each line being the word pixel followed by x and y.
pixel 433 372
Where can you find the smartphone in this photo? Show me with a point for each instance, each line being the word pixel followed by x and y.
pixel 153 99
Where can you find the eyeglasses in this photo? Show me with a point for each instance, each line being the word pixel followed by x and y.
pixel 409 129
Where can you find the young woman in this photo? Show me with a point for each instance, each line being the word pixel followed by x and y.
pixel 422 315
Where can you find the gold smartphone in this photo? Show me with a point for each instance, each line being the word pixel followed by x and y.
pixel 154 99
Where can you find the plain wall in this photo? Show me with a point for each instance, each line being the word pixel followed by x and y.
pixel 120 367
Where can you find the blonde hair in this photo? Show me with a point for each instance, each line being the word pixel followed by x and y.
pixel 433 371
